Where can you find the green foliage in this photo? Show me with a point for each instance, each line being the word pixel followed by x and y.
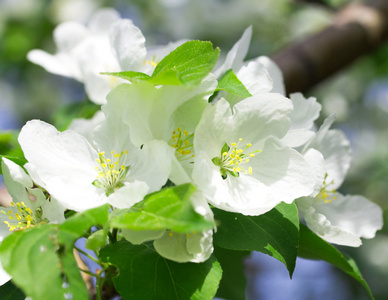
pixel 144 274
pixel 9 291
pixel 67 113
pixel 170 208
pixel 46 251
pixel 233 282
pixel 231 84
pixel 312 246
pixel 18 160
pixel 10 148
pixel 274 233
pixel 187 65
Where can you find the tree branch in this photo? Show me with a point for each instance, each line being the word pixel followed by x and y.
pixel 358 29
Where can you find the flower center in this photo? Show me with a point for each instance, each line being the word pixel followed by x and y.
pixel 111 171
pixel 20 216
pixel 235 159
pixel 152 62
pixel 326 194
pixel 182 142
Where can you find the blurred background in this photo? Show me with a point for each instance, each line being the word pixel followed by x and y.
pixel 357 94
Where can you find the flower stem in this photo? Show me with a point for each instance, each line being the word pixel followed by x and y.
pixel 87 255
pixel 99 285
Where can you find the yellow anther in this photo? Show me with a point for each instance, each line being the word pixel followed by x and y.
pixel 170 234
pixel 188 235
pixel 252 155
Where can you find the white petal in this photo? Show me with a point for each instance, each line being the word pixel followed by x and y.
pixel 319 224
pixel 96 57
pixel 317 165
pixel 275 73
pixel 138 237
pixel 255 77
pixel 182 248
pixel 235 57
pixel 152 164
pixel 61 64
pixel 85 127
pixel 128 195
pixel 298 137
pixel 113 134
pixel 336 151
pixel 68 35
pixel 210 132
pixel 102 19
pixel 305 112
pixel 279 174
pixel 353 214
pixel 261 116
pixel 14 174
pixel 139 110
pixel 63 162
pixel 128 43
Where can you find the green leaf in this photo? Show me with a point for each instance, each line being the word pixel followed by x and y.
pixel 67 113
pixel 231 84
pixel 96 240
pixel 144 274
pixel 46 252
pixel 170 208
pixel 187 65
pixel 17 160
pixel 275 233
pixel 9 291
pixel 40 266
pixel 10 148
pixel 77 225
pixel 233 282
pixel 312 246
pixel 129 75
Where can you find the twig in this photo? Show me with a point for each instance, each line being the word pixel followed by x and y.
pixel 358 29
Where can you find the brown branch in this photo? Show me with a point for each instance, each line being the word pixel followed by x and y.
pixel 358 29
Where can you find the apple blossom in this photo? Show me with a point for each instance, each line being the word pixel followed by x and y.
pixel 106 44
pixel 240 164
pixel 337 218
pixel 81 176
pixel 30 205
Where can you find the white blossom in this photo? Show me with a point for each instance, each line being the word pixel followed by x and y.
pixel 334 217
pixel 240 164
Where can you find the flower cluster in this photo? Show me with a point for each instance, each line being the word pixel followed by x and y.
pixel 229 132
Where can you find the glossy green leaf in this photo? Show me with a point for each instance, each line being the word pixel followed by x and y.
pixel 275 233
pixel 233 282
pixel 170 208
pixel 231 84
pixel 36 254
pixel 9 291
pixel 129 75
pixel 312 246
pixel 46 252
pixel 145 275
pixel 187 65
